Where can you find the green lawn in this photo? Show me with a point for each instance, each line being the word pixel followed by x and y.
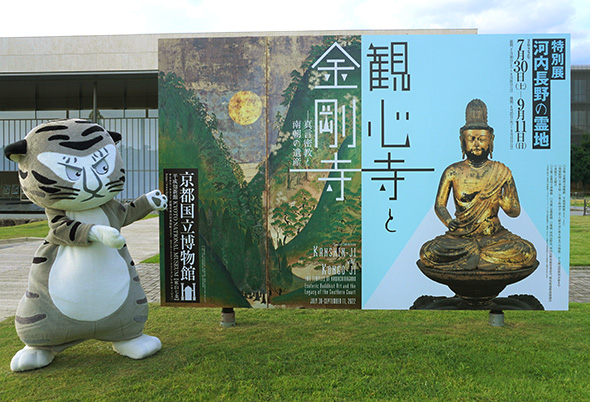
pixel 152 260
pixel 322 355
pixel 580 241
pixel 34 229
pixel 577 202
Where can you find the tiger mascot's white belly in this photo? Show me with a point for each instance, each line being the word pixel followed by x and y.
pixel 88 283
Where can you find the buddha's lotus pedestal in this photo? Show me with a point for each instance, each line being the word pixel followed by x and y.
pixel 478 289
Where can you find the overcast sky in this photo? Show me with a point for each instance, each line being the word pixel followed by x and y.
pixel 105 17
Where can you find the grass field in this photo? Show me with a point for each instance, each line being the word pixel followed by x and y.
pixel 322 355
pixel 577 202
pixel 580 241
pixel 34 229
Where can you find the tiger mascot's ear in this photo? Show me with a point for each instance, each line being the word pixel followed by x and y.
pixel 115 136
pixel 16 151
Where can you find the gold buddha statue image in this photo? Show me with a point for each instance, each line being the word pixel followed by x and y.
pixel 477 257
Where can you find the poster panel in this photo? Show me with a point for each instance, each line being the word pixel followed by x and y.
pixel 292 211
pixel 415 99
pixel 314 181
pixel 271 126
pixel 211 98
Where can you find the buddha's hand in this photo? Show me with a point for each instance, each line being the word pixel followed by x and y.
pixel 453 225
pixel 509 200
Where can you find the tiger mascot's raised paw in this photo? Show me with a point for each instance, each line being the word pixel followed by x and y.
pixel 157 200
pixel 83 283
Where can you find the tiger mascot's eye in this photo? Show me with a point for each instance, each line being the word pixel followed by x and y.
pixel 73 173
pixel 101 167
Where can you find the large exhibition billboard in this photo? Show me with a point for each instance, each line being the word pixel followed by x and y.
pixel 318 171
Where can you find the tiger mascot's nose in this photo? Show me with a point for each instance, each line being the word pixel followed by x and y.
pixel 91 181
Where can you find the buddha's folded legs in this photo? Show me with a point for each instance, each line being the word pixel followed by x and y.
pixel 501 251
pixel 505 250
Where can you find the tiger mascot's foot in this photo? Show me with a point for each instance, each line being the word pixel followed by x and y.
pixel 138 348
pixel 29 358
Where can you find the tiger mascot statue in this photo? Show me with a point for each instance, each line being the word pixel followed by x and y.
pixel 83 283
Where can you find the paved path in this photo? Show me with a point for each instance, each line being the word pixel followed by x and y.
pixel 142 240
pixel 16 255
pixel 579 211
pixel 580 284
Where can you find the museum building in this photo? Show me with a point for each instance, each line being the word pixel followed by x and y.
pixel 580 123
pixel 114 80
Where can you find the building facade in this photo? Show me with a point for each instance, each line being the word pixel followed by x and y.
pixel 580 103
pixel 114 80
pixel 109 79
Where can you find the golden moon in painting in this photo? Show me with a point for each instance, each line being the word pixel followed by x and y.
pixel 245 107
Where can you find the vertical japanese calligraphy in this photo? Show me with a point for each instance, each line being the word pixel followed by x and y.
pixel 321 189
pixel 331 126
pixel 520 56
pixel 548 65
pixel 181 232
pixel 389 59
